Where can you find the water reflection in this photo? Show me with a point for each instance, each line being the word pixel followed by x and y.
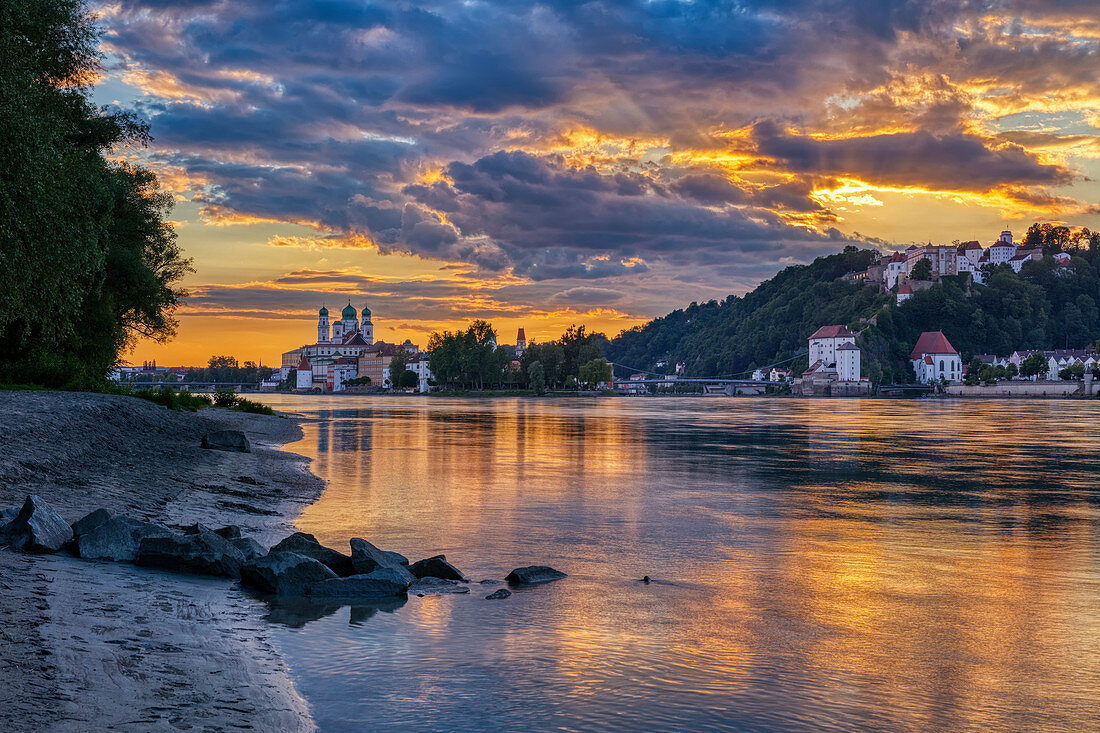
pixel 837 565
pixel 295 613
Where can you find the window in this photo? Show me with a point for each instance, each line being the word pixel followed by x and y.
pixel 941 365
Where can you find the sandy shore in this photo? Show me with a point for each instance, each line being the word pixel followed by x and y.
pixel 104 646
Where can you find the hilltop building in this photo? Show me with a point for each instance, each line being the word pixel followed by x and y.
pixel 935 359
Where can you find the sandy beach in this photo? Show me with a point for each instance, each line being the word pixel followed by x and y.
pixel 105 646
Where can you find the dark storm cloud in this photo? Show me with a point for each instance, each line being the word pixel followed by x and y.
pixel 951 162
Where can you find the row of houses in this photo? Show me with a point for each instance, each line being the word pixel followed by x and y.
pixel 896 268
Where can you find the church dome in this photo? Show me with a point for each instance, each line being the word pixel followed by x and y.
pixel 348 314
pixel 323 311
pixel 366 312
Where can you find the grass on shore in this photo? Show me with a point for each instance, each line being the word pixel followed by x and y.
pixel 170 398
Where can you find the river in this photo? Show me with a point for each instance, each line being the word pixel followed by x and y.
pixel 817 564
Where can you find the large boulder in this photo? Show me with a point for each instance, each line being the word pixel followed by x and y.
pixel 307 544
pixel 117 539
pixel 498 595
pixel 37 528
pixel 284 573
pixel 436 567
pixel 90 521
pixel 229 440
pixel 204 553
pixel 8 514
pixel 366 558
pixel 229 532
pixel 533 575
pixel 248 547
pixel 437 587
pixel 382 583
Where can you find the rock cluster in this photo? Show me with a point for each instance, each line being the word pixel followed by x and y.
pixel 297 567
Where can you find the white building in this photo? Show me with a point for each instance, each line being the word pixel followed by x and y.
pixel 347 337
pixel 834 355
pixel 1016 262
pixel 905 292
pixel 934 358
pixel 895 268
pixel 304 374
pixel 825 340
pixel 847 362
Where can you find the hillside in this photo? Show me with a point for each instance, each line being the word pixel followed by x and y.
pixel 1039 308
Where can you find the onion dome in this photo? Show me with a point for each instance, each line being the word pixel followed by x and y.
pixel 348 314
pixel 366 312
pixel 323 311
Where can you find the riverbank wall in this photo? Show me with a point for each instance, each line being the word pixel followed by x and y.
pixel 1023 389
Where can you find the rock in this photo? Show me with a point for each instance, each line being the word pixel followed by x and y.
pixel 6 515
pixel 284 573
pixel 230 532
pixel 492 582
pixel 307 544
pixel 645 579
pixel 498 595
pixel 37 528
pixel 90 522
pixel 204 553
pixel 247 546
pixel 437 586
pixel 436 567
pixel 117 539
pixel 195 528
pixel 366 558
pixel 382 583
pixel 230 440
pixel 533 575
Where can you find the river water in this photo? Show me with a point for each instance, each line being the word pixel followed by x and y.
pixel 818 564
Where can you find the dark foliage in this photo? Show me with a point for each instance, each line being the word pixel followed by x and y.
pixel 87 260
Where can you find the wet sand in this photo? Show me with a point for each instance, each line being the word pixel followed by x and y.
pixel 106 646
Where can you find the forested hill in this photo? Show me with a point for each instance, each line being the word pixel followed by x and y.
pixel 1039 308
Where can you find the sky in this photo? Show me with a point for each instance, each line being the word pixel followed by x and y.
pixel 542 164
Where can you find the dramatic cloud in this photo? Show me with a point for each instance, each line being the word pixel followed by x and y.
pixel 598 146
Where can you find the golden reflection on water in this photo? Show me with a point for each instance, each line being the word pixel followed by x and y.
pixel 844 564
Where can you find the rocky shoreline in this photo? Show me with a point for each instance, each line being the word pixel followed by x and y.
pixel 121 616
pixel 100 645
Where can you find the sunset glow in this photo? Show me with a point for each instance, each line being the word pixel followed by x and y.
pixel 543 164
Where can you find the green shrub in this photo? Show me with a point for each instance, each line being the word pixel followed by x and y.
pixel 246 405
pixel 224 398
pixel 173 400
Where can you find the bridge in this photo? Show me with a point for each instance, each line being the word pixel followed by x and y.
pixel 727 384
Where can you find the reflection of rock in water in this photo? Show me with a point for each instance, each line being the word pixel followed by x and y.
pixel 297 612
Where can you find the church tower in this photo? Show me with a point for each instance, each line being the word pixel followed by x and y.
pixel 521 343
pixel 367 328
pixel 322 325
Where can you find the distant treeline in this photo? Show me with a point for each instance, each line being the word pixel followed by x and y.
pixel 88 262
pixel 1042 307
pixel 471 359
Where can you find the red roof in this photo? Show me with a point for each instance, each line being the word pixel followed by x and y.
pixel 303 363
pixel 973 245
pixel 932 342
pixel 927 359
pixel 831 332
pixel 897 257
pixel 905 290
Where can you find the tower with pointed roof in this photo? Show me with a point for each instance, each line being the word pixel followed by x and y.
pixel 322 325
pixel 366 327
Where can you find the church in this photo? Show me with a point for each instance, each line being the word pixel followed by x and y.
pixel 334 358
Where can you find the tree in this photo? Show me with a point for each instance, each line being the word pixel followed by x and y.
pixel 405 379
pixel 922 270
pixel 594 372
pixel 83 236
pixel 536 377
pixel 1033 365
pixel 1011 370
